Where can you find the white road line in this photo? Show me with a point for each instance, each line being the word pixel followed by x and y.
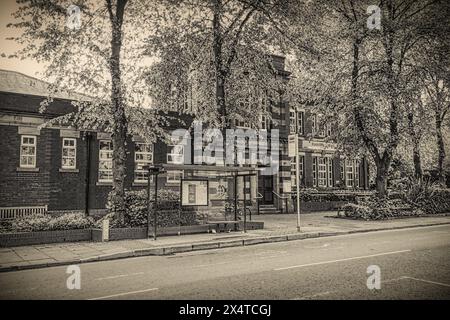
pixel 320 294
pixel 427 281
pixel 120 276
pixel 340 260
pixel 124 294
pixel 210 264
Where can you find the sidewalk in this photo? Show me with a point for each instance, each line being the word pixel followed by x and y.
pixel 280 227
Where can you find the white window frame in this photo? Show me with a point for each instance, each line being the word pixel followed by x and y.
pixel 300 120
pixel 322 164
pixel 138 173
pixel 172 176
pixel 314 171
pixel 28 145
pixel 349 174
pixel 100 160
pixel 330 171
pixel 171 155
pixel 292 120
pixel 74 148
pixel 264 122
pixel 356 173
pixel 293 169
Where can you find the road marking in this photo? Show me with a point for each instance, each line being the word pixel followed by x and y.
pixel 427 281
pixel 318 247
pixel 120 276
pixel 123 294
pixel 320 294
pixel 210 265
pixel 340 260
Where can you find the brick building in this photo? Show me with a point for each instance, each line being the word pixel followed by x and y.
pixel 69 170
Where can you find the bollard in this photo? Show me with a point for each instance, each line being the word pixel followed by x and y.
pixel 105 230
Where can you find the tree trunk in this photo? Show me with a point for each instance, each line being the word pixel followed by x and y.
pixel 415 137
pixel 381 179
pixel 119 134
pixel 219 63
pixel 441 149
pixel 418 173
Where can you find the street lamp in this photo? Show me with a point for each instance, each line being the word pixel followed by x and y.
pixel 154 170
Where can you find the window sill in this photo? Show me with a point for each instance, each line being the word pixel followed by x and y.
pixel 139 184
pixel 19 169
pixel 69 170
pixel 173 182
pixel 104 183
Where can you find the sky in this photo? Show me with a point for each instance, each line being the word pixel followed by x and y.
pixel 29 67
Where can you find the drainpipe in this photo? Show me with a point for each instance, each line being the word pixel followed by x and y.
pixel 88 136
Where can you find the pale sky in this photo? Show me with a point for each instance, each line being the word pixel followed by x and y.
pixel 29 67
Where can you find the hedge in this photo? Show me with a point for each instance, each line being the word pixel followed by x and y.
pixel 169 213
pixel 40 222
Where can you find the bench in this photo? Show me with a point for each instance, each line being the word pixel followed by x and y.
pixel 224 223
pixel 10 213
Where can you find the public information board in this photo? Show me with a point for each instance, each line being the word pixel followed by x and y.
pixel 194 192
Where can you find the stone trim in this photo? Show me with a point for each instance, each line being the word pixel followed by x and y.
pixel 33 131
pixel 68 133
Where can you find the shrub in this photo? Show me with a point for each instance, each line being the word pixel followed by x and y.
pixel 380 209
pixel 168 211
pixel 315 196
pixel 434 200
pixel 42 222
pixel 428 196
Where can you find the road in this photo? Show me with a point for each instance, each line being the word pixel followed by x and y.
pixel 414 264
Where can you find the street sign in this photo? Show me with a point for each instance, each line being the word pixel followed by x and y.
pixel 292 145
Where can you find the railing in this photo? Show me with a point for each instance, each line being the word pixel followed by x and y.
pixel 21 212
pixel 258 196
pixel 285 198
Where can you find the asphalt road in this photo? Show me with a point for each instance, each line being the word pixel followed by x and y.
pixel 414 264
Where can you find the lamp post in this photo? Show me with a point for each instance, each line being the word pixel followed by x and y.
pixel 153 171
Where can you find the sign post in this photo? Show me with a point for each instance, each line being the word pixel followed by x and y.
pixel 293 152
pixel 297 182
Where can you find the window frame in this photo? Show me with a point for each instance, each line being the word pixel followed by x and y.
pixel 322 174
pixel 173 181
pixel 144 162
pixel 171 154
pixel 32 156
pixel 349 164
pixel 110 151
pixel 292 120
pixel 74 147
pixel 300 122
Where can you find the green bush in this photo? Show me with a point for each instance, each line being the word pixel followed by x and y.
pixel 42 222
pixel 168 211
pixel 314 196
pixel 380 209
pixel 433 200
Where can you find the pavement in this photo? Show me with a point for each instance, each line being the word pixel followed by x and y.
pixel 278 227
pixel 411 263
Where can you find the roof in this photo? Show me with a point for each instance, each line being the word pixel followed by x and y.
pixel 16 82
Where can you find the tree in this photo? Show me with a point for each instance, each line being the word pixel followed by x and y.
pixel 438 97
pixel 362 80
pixel 213 57
pixel 102 57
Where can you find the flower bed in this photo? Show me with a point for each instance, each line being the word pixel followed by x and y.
pixel 14 239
